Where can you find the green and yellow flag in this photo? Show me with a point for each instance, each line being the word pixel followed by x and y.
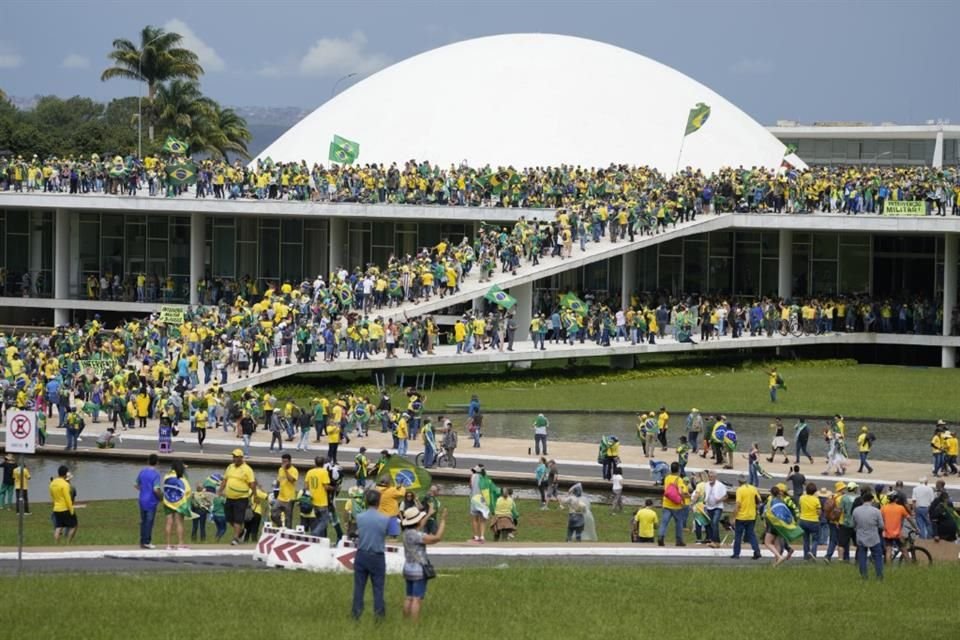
pixel 181 174
pixel 344 151
pixel 405 474
pixel 174 146
pixel 697 118
pixel 499 297
pixel 575 304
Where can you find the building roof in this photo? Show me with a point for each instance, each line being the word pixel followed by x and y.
pixel 531 100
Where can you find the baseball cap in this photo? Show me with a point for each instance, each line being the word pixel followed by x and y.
pixel 237 453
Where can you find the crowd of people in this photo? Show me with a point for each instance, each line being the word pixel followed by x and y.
pixel 850 189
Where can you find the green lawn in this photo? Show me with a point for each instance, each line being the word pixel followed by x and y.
pixel 115 522
pixel 814 389
pixel 522 601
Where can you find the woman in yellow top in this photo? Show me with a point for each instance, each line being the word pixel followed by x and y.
pixel 676 504
pixel 810 510
pixel 143 409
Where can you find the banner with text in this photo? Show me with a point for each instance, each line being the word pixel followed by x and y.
pixel 905 208
pixel 171 315
pixel 98 366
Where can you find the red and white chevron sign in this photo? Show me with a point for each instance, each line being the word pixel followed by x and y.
pixel 290 551
pixel 266 543
pixel 347 559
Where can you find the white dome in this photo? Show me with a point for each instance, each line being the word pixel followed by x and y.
pixel 531 100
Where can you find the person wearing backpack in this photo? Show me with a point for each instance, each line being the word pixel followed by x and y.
pixel 832 514
pixel 864 443
pixel 676 502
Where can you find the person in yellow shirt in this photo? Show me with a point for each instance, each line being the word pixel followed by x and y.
pixel 21 484
pixel 317 482
pixel 390 496
pixel 333 437
pixel 663 423
pixel 676 504
pixel 810 510
pixel 645 522
pixel 237 486
pixel 258 504
pixel 864 443
pixel 745 517
pixel 287 475
pixel 64 515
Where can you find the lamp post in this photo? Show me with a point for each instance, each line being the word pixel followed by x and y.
pixel 140 96
pixel 333 91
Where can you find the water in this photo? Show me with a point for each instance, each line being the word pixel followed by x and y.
pixel 896 441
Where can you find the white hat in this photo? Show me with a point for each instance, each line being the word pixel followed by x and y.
pixel 412 516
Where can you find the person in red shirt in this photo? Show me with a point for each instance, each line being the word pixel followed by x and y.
pixel 893 514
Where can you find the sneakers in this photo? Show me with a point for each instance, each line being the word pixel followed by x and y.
pixel 148 546
pixel 234 542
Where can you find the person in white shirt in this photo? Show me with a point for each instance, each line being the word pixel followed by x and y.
pixel 715 494
pixel 616 479
pixel 922 498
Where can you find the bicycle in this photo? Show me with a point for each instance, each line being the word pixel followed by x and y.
pixel 443 459
pixel 792 326
pixel 909 552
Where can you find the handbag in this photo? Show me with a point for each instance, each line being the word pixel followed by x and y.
pixel 672 493
pixel 429 573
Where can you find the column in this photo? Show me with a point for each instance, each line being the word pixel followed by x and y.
pixel 198 245
pixel 785 265
pixel 61 265
pixel 523 309
pixel 938 150
pixel 948 358
pixel 628 277
pixel 338 243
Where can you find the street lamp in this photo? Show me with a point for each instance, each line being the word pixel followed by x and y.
pixel 140 96
pixel 333 91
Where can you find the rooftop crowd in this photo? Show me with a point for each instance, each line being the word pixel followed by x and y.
pixel 832 189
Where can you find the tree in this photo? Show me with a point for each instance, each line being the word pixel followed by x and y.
pixel 184 112
pixel 158 59
pixel 232 134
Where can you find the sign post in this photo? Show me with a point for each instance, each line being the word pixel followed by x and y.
pixel 21 439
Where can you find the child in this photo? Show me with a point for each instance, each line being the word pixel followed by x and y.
pixel 683 454
pixel 617 501
pixel 219 516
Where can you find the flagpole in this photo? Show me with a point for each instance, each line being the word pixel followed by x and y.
pixel 679 155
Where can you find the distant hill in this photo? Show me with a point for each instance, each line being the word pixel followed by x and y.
pixel 263 135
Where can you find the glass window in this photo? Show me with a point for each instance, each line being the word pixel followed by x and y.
pixel 246 259
pixel 315 252
pixel 157 227
pixel 136 246
pixel 291 263
pixel 180 250
pixel 383 234
pixel 18 255
pixel 769 277
pixel 291 230
pixel 854 267
pixel 721 274
pixel 747 274
pixel 721 243
pixel 89 242
pixel 672 247
pixel 112 225
pixel 111 255
pixel 824 277
pixel 269 253
pixel 801 267
pixel 671 274
pixel 825 246
pixel 157 257
pixel 222 265
pixel 247 229
pixel 695 276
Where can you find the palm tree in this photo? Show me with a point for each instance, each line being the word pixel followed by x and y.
pixel 157 60
pixel 231 135
pixel 182 110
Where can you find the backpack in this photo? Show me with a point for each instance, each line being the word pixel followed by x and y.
pixel 832 510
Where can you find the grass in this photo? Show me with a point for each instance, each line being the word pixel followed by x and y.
pixel 525 601
pixel 115 522
pixel 814 389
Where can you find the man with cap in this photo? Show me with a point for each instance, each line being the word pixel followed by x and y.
pixel 237 486
pixel 937 448
pixel 846 534
pixel 540 425
pixel 864 443
pixel 745 517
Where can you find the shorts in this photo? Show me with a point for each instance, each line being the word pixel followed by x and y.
pixel 235 510
pixel 416 588
pixel 64 520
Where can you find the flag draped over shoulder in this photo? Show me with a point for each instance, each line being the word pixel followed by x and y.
pixel 575 304
pixel 499 297
pixel 781 519
pixel 697 118
pixel 343 151
pixel 175 146
pixel 176 495
pixel 486 500
pixel 405 474
pixel 181 174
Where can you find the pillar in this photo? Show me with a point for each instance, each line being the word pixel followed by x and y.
pixel 338 243
pixel 628 278
pixel 198 245
pixel 523 309
pixel 61 265
pixel 785 265
pixel 938 150
pixel 948 358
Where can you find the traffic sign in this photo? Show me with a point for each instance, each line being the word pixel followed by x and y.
pixel 21 432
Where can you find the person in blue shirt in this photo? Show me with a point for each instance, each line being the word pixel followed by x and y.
pixel 370 562
pixel 148 486
pixel 473 412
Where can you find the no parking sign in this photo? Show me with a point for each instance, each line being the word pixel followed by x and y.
pixel 21 432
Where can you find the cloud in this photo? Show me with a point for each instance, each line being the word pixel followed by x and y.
pixel 9 58
pixel 75 61
pixel 210 60
pixel 335 56
pixel 753 66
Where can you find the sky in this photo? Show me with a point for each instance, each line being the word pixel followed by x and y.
pixel 879 61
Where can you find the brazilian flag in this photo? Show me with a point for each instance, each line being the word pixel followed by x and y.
pixel 174 146
pixel 575 304
pixel 697 118
pixel 345 296
pixel 394 288
pixel 343 151
pixel 486 500
pixel 790 148
pixel 781 519
pixel 405 474
pixel 181 174
pixel 176 494
pixel 117 170
pixel 499 297
pixel 730 439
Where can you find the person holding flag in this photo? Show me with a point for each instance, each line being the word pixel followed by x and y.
pixel 176 492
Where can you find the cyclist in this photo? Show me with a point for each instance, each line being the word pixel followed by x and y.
pixel 449 440
pixel 894 513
